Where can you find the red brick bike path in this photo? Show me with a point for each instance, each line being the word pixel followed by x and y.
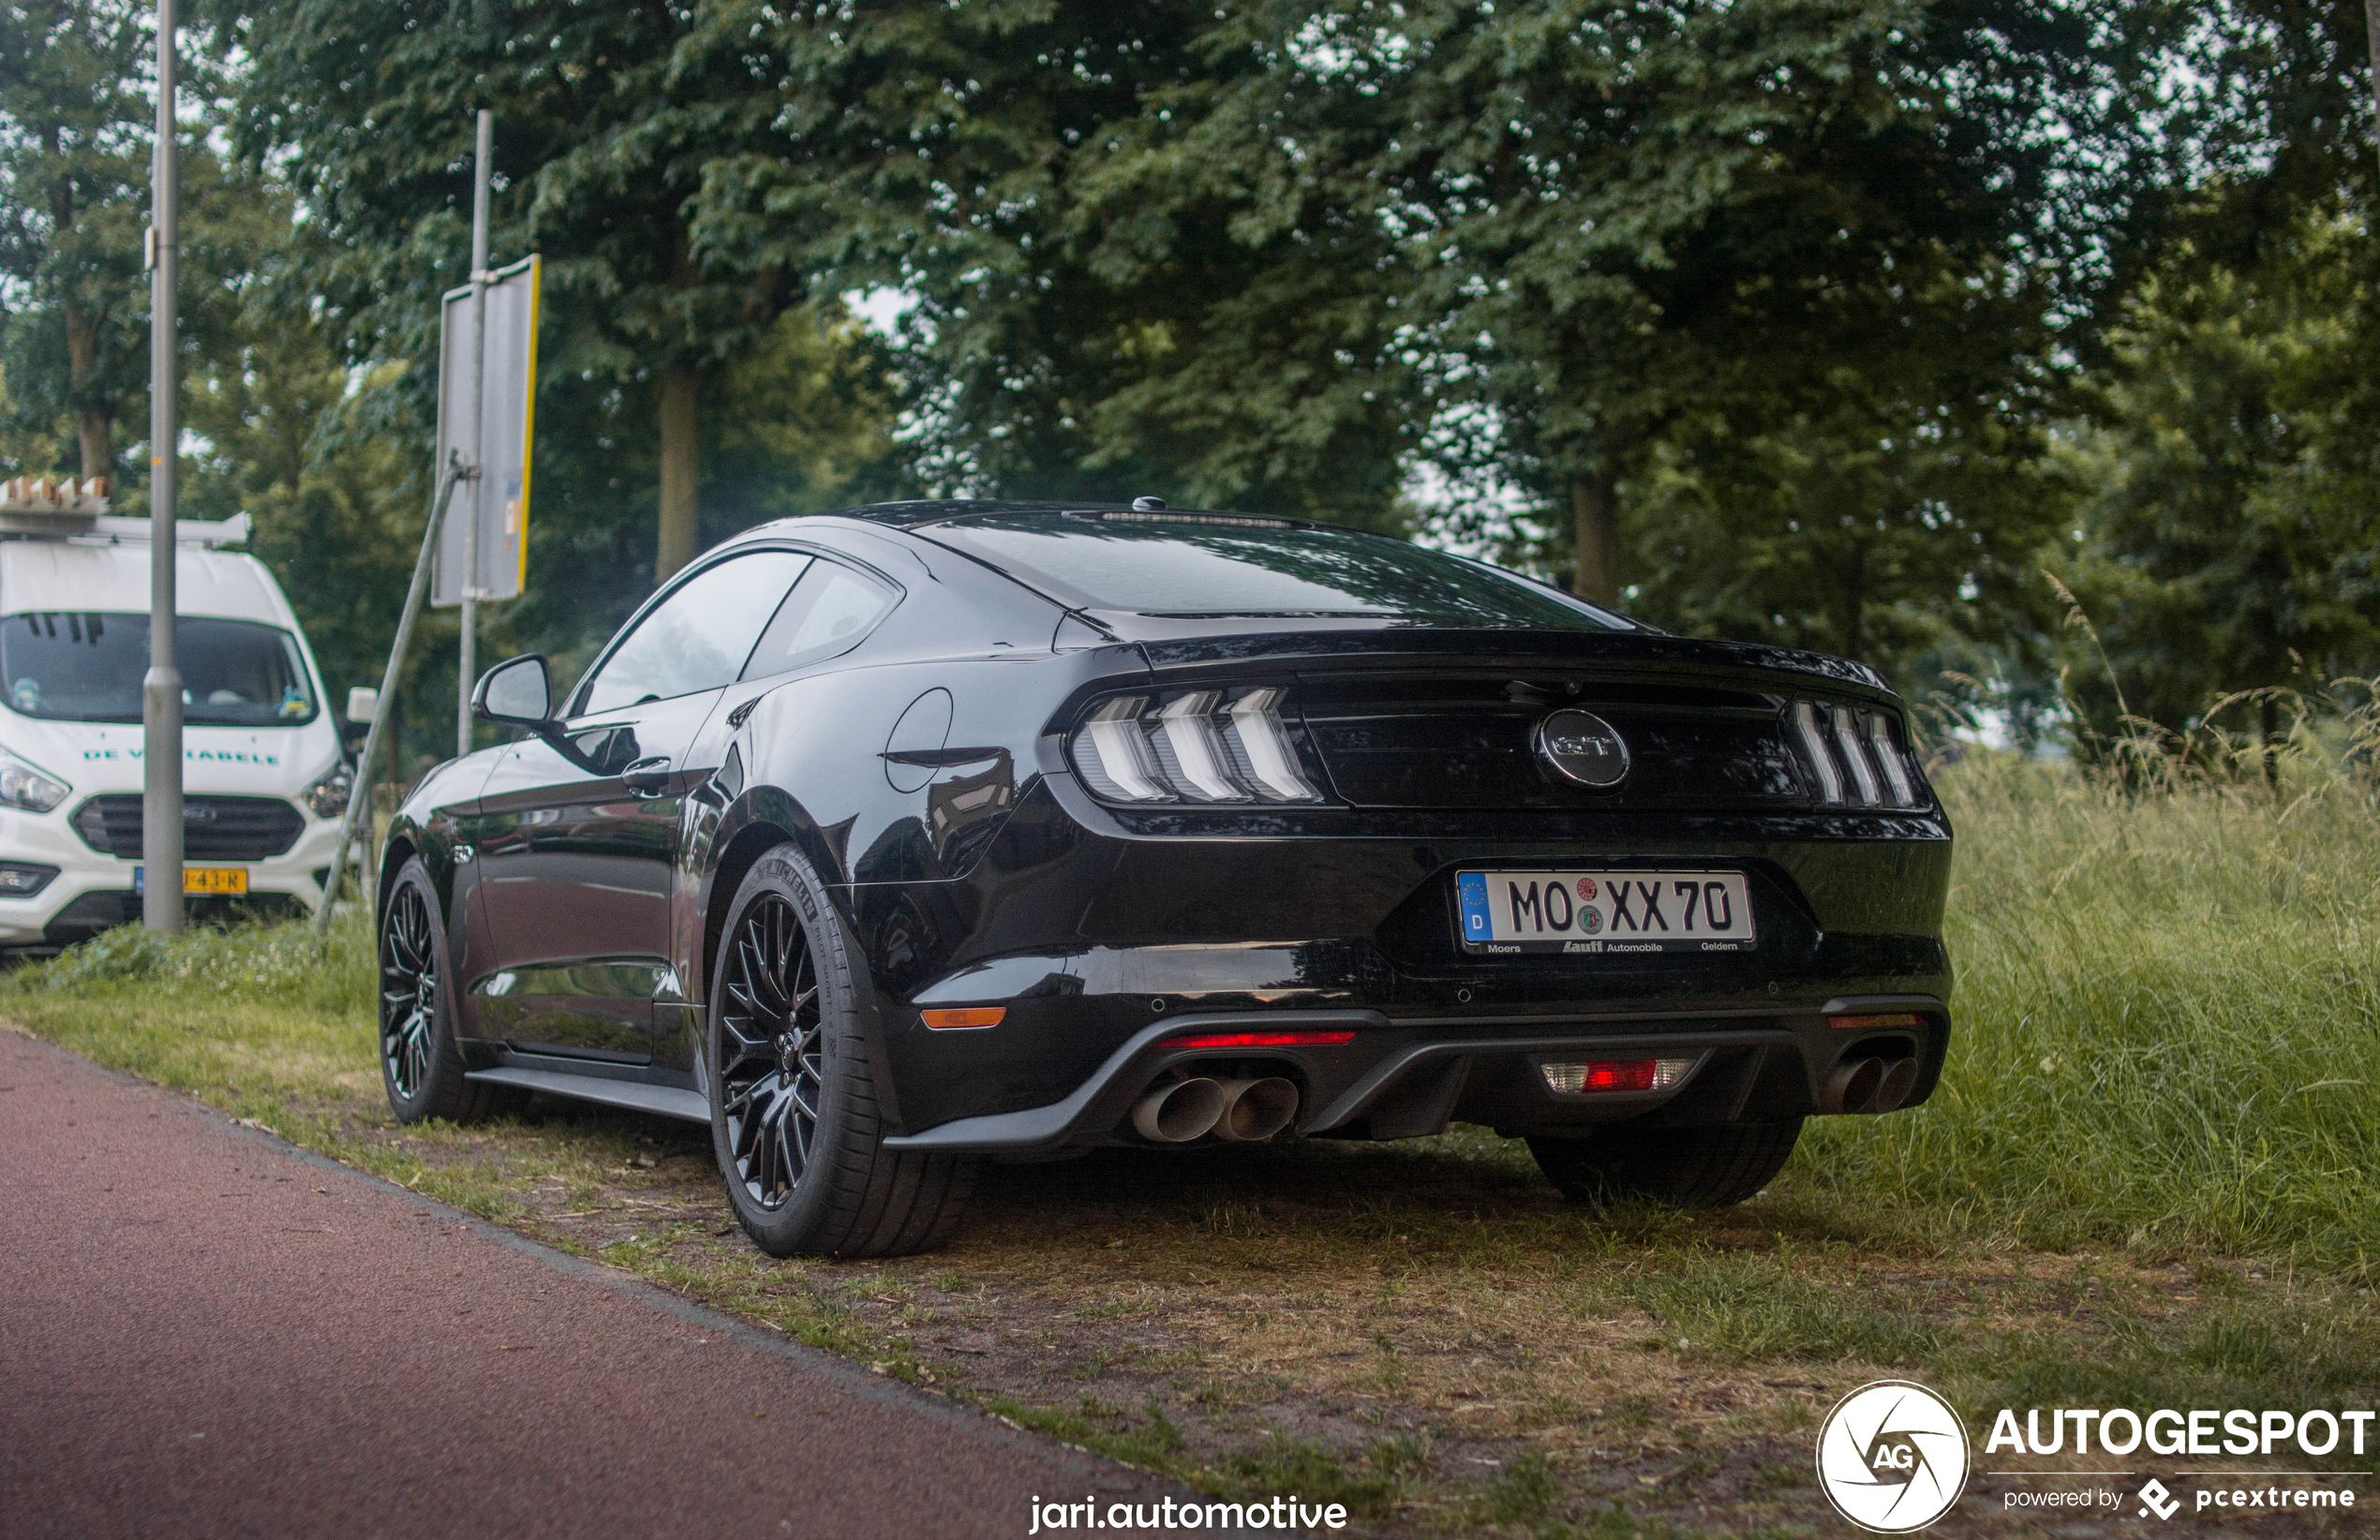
pixel 206 1332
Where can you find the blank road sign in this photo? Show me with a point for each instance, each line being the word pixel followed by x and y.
pixel 498 500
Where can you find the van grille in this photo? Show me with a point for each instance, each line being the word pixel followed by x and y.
pixel 213 828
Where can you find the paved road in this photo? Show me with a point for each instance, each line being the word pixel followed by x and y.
pixel 203 1332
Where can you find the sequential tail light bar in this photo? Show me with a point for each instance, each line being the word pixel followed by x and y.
pixel 1890 1018
pixel 1616 1074
pixel 964 1018
pixel 1212 748
pixel 1260 1040
pixel 1856 756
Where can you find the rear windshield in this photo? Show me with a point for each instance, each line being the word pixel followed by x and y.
pixel 85 666
pixel 1193 566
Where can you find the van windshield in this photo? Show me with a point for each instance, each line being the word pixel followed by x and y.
pixel 81 666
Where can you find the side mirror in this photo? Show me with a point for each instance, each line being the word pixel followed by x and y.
pixel 517 692
pixel 355 723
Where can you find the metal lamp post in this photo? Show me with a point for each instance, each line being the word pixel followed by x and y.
pixel 161 688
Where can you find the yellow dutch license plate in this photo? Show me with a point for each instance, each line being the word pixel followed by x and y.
pixel 219 881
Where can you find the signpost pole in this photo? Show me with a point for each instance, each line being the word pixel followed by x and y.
pixel 469 664
pixel 359 796
pixel 161 688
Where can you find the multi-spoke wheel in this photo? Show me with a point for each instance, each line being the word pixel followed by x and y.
pixel 793 1114
pixel 409 992
pixel 419 1064
pixel 772 1056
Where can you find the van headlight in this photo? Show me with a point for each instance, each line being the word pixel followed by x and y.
pixel 28 786
pixel 328 797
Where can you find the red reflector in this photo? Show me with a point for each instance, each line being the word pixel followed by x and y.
pixel 1258 1040
pixel 971 1015
pixel 1897 1018
pixel 1626 1075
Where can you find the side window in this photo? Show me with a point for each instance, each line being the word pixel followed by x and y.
pixel 828 613
pixel 699 636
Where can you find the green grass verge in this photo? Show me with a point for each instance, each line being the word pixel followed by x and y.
pixel 2168 1024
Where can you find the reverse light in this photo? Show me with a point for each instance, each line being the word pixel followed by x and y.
pixel 965 1017
pixel 1260 1040
pixel 1210 747
pixel 25 785
pixel 1616 1074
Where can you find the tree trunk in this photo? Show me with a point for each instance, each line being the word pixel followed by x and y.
pixel 1595 503
pixel 91 423
pixel 1853 616
pixel 2269 730
pixel 681 469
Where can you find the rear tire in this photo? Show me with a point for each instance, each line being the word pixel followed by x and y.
pixel 795 1122
pixel 1707 1167
pixel 421 1068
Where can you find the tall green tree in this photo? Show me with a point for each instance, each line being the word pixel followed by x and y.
pixel 1117 289
pixel 1659 230
pixel 75 136
pixel 2230 542
pixel 604 127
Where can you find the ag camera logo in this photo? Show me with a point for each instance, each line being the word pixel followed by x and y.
pixel 1891 1457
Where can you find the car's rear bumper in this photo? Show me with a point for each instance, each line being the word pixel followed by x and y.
pixel 1402 1078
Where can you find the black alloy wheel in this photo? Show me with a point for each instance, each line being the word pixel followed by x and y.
pixel 409 992
pixel 421 1066
pixel 794 1120
pixel 772 1065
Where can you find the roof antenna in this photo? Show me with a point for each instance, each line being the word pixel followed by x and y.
pixel 1148 505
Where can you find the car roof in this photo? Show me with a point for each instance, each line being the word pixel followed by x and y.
pixel 921 512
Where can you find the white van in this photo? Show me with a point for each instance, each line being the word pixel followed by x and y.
pixel 264 775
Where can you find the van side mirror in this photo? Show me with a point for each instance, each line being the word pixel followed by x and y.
pixel 363 705
pixel 517 692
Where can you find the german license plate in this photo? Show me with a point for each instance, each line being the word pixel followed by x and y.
pixel 210 881
pixel 1597 913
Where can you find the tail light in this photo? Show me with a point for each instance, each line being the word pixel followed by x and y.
pixel 1857 757
pixel 1212 746
pixel 1616 1074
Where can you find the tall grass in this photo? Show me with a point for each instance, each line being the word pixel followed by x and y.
pixel 2167 1019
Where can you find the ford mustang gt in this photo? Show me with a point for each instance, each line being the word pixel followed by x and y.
pixel 887 841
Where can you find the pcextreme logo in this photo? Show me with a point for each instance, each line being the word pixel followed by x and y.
pixel 1891 1457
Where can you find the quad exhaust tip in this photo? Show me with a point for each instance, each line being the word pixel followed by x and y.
pixel 1256 1110
pixel 1868 1086
pixel 1236 1111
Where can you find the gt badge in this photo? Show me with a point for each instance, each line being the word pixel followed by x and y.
pixel 1582 748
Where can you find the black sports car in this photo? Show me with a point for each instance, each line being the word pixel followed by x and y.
pixel 889 840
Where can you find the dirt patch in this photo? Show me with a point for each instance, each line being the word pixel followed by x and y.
pixel 1425 1331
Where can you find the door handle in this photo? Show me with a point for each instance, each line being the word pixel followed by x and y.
pixel 647 777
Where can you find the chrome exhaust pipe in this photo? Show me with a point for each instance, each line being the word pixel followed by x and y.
pixel 1256 1110
pixel 1179 1111
pixel 1901 1078
pixel 1852 1086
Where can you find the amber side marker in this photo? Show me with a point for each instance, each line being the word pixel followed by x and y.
pixel 1897 1018
pixel 971 1015
pixel 1258 1040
